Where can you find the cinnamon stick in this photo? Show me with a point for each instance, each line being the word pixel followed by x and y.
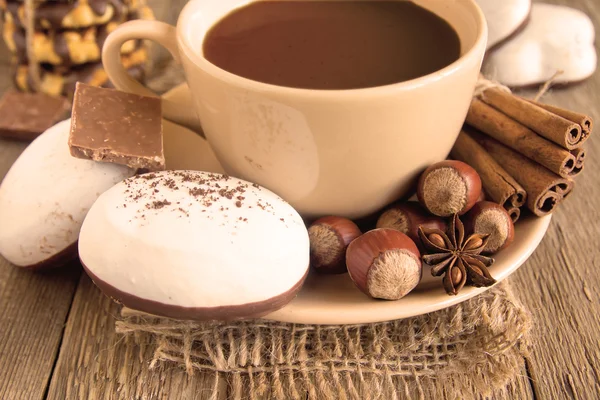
pixel 499 186
pixel 520 138
pixel 586 123
pixel 579 155
pixel 551 126
pixel 514 213
pixel 545 190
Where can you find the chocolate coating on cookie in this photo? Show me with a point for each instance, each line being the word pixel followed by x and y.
pixel 99 6
pixel 256 309
pixel 56 261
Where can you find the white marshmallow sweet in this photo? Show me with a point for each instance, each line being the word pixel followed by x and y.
pixel 504 18
pixel 556 39
pixel 195 245
pixel 45 197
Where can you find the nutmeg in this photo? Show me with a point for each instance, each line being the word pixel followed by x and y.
pixel 489 218
pixel 329 238
pixel 408 217
pixel 384 264
pixel 449 187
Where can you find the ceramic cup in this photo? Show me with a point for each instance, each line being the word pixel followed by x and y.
pixel 340 152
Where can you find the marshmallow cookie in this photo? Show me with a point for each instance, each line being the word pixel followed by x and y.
pixel 195 245
pixel 556 39
pixel 504 18
pixel 45 197
pixel 59 81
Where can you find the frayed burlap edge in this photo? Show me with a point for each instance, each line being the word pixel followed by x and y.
pixel 475 347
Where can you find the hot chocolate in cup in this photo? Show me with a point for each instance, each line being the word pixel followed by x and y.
pixel 346 152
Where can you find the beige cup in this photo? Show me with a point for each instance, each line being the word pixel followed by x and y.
pixel 340 152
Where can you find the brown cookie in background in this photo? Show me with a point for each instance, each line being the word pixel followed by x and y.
pixel 65 48
pixel 68 14
pixel 61 81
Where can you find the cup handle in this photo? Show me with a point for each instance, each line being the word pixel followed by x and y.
pixel 165 35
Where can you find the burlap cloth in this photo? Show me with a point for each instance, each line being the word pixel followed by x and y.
pixel 466 351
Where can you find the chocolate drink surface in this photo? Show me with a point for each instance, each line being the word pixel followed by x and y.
pixel 331 44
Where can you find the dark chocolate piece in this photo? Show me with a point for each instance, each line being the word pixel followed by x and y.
pixel 113 126
pixel 222 313
pixel 25 116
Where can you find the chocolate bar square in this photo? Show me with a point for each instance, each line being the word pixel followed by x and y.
pixel 112 126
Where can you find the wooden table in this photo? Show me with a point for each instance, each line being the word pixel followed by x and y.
pixel 57 338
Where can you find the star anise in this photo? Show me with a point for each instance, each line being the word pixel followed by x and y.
pixel 457 257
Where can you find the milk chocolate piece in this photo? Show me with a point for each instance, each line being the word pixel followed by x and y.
pixel 25 116
pixel 112 126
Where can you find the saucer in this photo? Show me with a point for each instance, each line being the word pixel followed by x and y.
pixel 333 299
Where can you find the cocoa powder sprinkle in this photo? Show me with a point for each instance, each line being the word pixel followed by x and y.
pixel 158 204
pixel 207 189
pixel 198 192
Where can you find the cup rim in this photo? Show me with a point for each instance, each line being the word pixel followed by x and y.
pixel 257 86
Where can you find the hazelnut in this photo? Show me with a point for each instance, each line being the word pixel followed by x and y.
pixel 481 197
pixel 449 187
pixel 384 264
pixel 489 218
pixel 408 217
pixel 329 238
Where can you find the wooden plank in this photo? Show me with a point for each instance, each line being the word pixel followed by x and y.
pixel 561 283
pixel 520 389
pixel 95 363
pixel 34 309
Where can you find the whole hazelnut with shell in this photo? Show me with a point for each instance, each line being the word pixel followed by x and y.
pixel 488 218
pixel 449 187
pixel 384 264
pixel 329 237
pixel 408 217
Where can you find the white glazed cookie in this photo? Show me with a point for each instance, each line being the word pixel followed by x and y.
pixel 195 245
pixel 556 39
pixel 45 196
pixel 504 18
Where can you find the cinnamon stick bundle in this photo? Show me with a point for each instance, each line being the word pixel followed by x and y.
pixel 500 187
pixel 520 138
pixel 583 120
pixel 552 126
pixel 545 190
